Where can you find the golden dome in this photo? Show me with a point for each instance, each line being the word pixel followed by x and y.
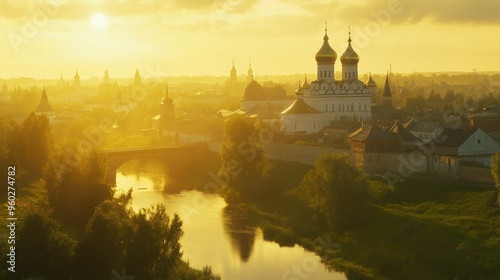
pixel 349 56
pixel 299 91
pixel 326 55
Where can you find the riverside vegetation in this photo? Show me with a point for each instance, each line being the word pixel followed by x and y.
pixel 70 224
pixel 420 229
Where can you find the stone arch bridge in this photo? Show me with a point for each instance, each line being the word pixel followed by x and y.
pixel 176 158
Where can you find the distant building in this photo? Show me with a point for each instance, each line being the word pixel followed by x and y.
pixel 4 94
pixel 105 80
pixel 377 150
pixel 249 73
pixel 488 120
pixel 424 130
pixel 332 100
pixel 232 85
pixel 386 112
pixel 301 117
pixel 461 147
pixel 257 95
pixel 164 120
pixel 44 108
pixel 76 80
pixel 107 90
pixel 137 78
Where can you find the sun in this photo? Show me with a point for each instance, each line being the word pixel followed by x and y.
pixel 99 21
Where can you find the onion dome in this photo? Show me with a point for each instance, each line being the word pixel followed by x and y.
pixel 349 57
pixel 371 82
pixel 300 90
pixel 326 55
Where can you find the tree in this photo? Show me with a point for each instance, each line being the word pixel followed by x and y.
pixel 75 188
pixel 30 144
pixel 336 189
pixel 43 249
pixel 146 243
pixel 154 249
pixel 495 171
pixel 243 160
pixel 103 245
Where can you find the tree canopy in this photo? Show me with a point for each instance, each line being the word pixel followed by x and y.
pixel 75 189
pixel 495 171
pixel 244 164
pixel 336 189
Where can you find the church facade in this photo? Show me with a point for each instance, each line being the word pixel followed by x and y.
pixel 328 99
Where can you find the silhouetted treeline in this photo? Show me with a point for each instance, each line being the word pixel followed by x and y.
pixel 26 145
pixel 117 240
pixel 75 188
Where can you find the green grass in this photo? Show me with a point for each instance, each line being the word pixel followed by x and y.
pixel 421 230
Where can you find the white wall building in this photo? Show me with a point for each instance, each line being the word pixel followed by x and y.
pixel 332 100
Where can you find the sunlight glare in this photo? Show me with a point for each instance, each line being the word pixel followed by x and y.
pixel 99 21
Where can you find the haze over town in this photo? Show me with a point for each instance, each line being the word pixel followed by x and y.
pixel 260 139
pixel 202 37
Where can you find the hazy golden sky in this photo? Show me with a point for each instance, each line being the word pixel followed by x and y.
pixel 201 37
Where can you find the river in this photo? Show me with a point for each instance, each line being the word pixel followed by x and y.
pixel 220 238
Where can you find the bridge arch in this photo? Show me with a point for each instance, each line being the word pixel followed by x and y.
pixel 175 159
pixel 153 169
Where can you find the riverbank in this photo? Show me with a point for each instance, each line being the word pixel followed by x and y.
pixel 421 230
pixel 31 198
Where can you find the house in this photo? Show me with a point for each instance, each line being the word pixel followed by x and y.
pixel 396 150
pixel 456 148
pixel 424 130
pixel 488 120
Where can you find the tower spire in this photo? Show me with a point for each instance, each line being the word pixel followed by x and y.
pixel 349 40
pixel 326 31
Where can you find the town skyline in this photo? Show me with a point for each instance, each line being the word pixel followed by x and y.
pixel 278 37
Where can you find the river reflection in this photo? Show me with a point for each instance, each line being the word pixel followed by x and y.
pixel 240 231
pixel 223 237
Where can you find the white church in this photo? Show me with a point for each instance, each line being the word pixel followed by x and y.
pixel 327 99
